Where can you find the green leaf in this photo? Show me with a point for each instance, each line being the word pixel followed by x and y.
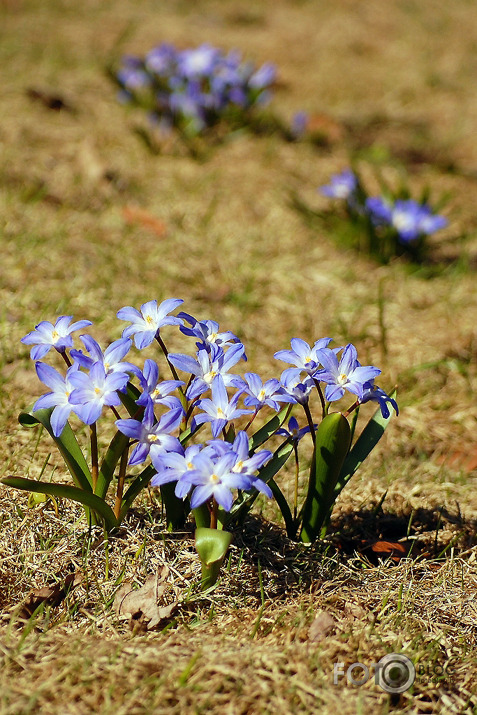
pixel 333 438
pixel 185 436
pixel 211 545
pixel 66 491
pixel 176 509
pixel 365 443
pixel 290 523
pixel 202 516
pixel 268 429
pixel 67 445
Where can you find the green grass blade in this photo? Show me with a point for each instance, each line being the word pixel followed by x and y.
pixel 66 491
pixel 67 445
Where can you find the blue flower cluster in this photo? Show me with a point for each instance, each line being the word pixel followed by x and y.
pixel 409 220
pixel 193 89
pixel 170 412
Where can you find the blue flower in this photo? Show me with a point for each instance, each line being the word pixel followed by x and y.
pixel 302 355
pixel 408 218
pixel 214 478
pixel 299 124
pixel 294 431
pixel 248 465
pixel 375 393
pixel 111 358
pixel 347 374
pixel 160 60
pixel 263 77
pixel 207 332
pixel 154 438
pixel 198 62
pixel 295 388
pixel 341 186
pixel 95 389
pixel 174 467
pixel 59 397
pixel 207 366
pixel 218 410
pixel 158 392
pixel 58 336
pixel 258 393
pixel 146 323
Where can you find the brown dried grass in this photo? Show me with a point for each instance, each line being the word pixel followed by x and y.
pixel 397 84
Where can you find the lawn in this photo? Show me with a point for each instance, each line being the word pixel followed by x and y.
pixel 93 220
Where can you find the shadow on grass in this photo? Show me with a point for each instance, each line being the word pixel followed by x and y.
pixel 367 538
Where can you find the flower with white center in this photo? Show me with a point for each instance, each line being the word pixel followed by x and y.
pixel 154 438
pixel 207 366
pixel 302 355
pixel 95 389
pixel 58 336
pixel 59 397
pixel 146 322
pixel 347 374
pixel 214 478
pixel 218 410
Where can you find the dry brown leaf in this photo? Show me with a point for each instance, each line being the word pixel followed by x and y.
pixel 464 458
pixel 134 215
pixel 386 549
pixel 142 604
pixel 353 611
pixel 49 595
pixel 323 625
pixel 49 99
pixel 325 127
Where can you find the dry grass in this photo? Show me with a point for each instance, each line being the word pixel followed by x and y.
pixel 397 84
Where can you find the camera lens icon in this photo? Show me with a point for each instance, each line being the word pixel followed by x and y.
pixel 395 673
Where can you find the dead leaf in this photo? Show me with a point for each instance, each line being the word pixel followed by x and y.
pixel 134 215
pixel 386 549
pixel 324 127
pixel 49 100
pixel 49 595
pixel 464 458
pixel 142 604
pixel 353 611
pixel 323 625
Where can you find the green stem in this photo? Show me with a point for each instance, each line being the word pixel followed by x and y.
pixel 295 497
pixel 121 478
pixel 322 398
pixel 351 409
pixel 94 455
pixel 65 357
pixel 213 514
pixel 309 417
pixel 251 420
pixel 166 354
